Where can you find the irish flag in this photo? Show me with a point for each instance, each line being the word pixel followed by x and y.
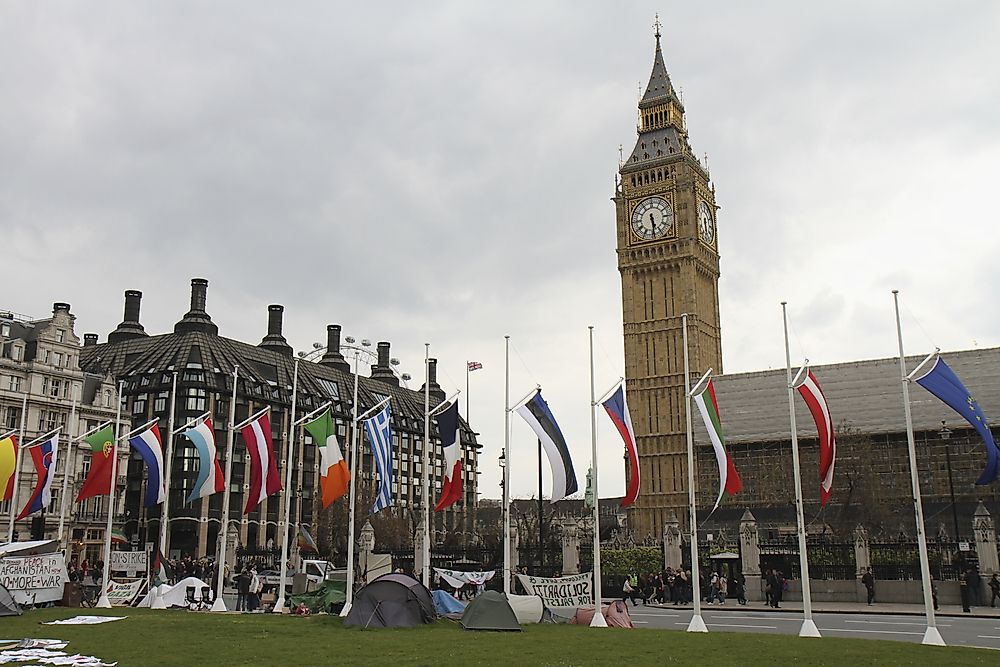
pixel 334 474
pixel 729 479
pixel 102 448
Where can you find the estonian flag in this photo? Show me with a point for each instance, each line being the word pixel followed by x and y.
pixel 536 412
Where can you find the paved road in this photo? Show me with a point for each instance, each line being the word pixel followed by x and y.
pixel 971 631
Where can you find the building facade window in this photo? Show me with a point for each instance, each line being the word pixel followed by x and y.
pixel 14 383
pixel 196 399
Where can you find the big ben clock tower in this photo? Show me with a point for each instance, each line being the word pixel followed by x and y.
pixel 669 263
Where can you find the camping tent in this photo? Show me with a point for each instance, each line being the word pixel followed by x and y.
pixel 490 611
pixel 392 601
pixel 330 595
pixel 8 607
pixel 176 595
pixel 616 615
pixel 527 608
pixel 445 603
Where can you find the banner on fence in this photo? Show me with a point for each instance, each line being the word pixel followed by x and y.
pixel 563 592
pixel 33 579
pixel 123 594
pixel 457 578
pixel 132 563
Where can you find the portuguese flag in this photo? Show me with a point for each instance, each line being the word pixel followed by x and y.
pixel 333 470
pixel 102 447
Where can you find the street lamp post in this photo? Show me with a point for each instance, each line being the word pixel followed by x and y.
pixel 945 434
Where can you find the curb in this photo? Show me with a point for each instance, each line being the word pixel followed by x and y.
pixel 873 610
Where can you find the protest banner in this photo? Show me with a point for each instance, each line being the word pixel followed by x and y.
pixel 563 593
pixel 34 579
pixel 132 563
pixel 458 578
pixel 122 594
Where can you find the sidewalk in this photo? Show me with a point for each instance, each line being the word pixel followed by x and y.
pixel 844 608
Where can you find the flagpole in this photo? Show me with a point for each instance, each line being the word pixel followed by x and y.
pixel 598 621
pixel 506 475
pixel 465 496
pixel 425 493
pixel 354 474
pixel 279 604
pixel 931 635
pixel 220 562
pixel 105 602
pixel 697 622
pixel 66 473
pixel 157 601
pixel 17 468
pixel 808 628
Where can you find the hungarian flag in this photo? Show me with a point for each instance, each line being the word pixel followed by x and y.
pixel 820 411
pixel 729 479
pixel 163 569
pixel 102 448
pixel 44 458
pixel 305 541
pixel 617 409
pixel 334 473
pixel 264 479
pixel 451 489
pixel 118 536
pixel 8 461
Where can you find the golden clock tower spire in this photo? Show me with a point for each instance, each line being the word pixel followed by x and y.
pixel 669 265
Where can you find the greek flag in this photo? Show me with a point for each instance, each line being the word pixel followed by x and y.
pixel 380 438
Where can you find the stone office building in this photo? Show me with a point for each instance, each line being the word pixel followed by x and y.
pixel 203 362
pixel 39 361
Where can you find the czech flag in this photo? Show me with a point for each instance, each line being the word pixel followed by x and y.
pixel 617 409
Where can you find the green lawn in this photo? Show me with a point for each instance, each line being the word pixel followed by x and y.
pixel 150 638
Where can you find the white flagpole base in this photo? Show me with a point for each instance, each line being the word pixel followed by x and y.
pixel 219 604
pixel 809 629
pixel 104 602
pixel 697 624
pixel 279 606
pixel 598 621
pixel 932 637
pixel 346 610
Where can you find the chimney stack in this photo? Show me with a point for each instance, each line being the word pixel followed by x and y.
pixel 130 326
pixel 333 356
pixel 89 339
pixel 59 306
pixel 382 371
pixel 436 390
pixel 274 341
pixel 197 319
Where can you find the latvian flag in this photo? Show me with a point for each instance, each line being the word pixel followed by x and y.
pixel 210 478
pixel 44 458
pixel 451 490
pixel 150 447
pixel 536 412
pixel 264 479
pixel 729 479
pixel 617 409
pixel 820 411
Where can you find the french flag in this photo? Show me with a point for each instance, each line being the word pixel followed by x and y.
pixel 451 489
pixel 617 409
pixel 44 458
pixel 264 479
pixel 150 446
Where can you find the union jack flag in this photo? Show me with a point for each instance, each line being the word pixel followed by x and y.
pixel 474 365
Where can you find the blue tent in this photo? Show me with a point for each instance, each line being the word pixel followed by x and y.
pixel 444 603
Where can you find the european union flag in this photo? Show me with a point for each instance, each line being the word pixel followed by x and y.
pixel 943 383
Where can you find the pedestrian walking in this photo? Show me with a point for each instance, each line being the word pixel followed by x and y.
pixel 868 579
pixel 242 589
pixel 994 590
pixel 723 592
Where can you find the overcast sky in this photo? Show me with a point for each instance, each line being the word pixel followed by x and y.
pixel 441 172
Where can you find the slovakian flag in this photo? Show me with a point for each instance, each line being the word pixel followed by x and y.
pixel 617 409
pixel 150 447
pixel 811 393
pixel 451 489
pixel 379 431
pixel 210 478
pixel 44 458
pixel 264 478
pixel 335 476
pixel 538 416
pixel 729 479
pixel 102 448
pixel 941 381
pixel 8 462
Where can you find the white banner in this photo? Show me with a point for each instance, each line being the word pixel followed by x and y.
pixel 569 592
pixel 457 578
pixel 132 563
pixel 122 594
pixel 32 579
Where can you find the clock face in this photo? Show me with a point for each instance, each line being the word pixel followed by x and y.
pixel 706 225
pixel 652 218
